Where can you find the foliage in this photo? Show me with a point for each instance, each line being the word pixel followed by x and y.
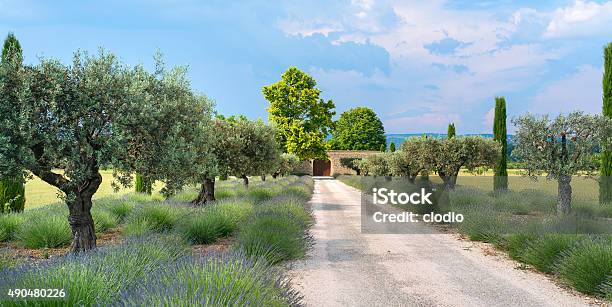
pixel 392 147
pixel 587 267
pixel 254 151
pixel 447 156
pixel 544 252
pixel 12 195
pixel 98 276
pixel 302 118
pixel 358 129
pixel 143 184
pixel 451 131
pixel 44 231
pixel 351 163
pixel 500 181
pixel 153 218
pixel 232 279
pixel 96 112
pixel 375 165
pixel 9 224
pixel 561 148
pixel 605 184
pixel 278 229
pixel 12 191
pixel 288 164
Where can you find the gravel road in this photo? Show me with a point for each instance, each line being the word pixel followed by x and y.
pixel 348 268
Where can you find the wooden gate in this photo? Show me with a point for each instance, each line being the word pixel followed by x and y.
pixel 321 168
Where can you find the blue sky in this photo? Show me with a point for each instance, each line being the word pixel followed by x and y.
pixel 418 64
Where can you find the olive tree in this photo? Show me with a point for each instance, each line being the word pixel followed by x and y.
pixel 450 155
pixel 241 148
pixel 412 159
pixel 78 118
pixel 375 165
pixel 561 148
pixel 287 164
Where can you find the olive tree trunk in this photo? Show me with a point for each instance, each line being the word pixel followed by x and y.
pixel 564 203
pixel 207 193
pixel 245 180
pixel 80 219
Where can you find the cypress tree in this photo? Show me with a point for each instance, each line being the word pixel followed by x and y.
pixel 451 131
pixel 12 190
pixel 605 182
pixel 143 185
pixel 392 147
pixel 500 179
pixel 383 147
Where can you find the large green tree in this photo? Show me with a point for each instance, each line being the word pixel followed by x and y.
pixel 561 148
pixel 358 129
pixel 83 116
pixel 303 119
pixel 12 189
pixel 605 183
pixel 500 179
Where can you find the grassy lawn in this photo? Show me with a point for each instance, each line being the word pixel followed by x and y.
pixel 582 188
pixel 40 193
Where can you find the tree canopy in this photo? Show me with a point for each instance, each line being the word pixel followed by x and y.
pixel 358 129
pixel 561 148
pixel 302 118
pixel 93 113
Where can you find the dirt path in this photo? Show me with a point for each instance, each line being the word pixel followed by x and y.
pixel 348 268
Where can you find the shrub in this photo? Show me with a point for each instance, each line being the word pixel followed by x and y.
pixel 231 279
pixel 274 238
pixel 45 231
pixel 544 252
pixel 103 220
pixel 516 244
pixel 587 266
pixel 96 277
pixel 157 217
pixel 9 223
pixel 139 226
pixel 261 194
pixel 203 227
pixel 120 209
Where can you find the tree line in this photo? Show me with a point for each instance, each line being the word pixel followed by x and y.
pixel 64 123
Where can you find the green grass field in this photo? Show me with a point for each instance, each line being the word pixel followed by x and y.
pixel 40 193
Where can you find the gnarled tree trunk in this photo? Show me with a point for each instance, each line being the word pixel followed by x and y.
pixel 80 219
pixel 207 193
pixel 564 201
pixel 263 177
pixel 245 180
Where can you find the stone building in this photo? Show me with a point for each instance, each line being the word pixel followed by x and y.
pixel 333 166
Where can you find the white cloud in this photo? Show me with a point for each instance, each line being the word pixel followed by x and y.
pixel 581 18
pixel 427 122
pixel 580 91
pixel 487 120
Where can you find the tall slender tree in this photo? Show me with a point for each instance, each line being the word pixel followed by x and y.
pixel 500 179
pixel 392 147
pixel 143 184
pixel 12 189
pixel 605 183
pixel 451 131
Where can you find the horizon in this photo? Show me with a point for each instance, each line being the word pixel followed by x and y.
pixel 416 64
